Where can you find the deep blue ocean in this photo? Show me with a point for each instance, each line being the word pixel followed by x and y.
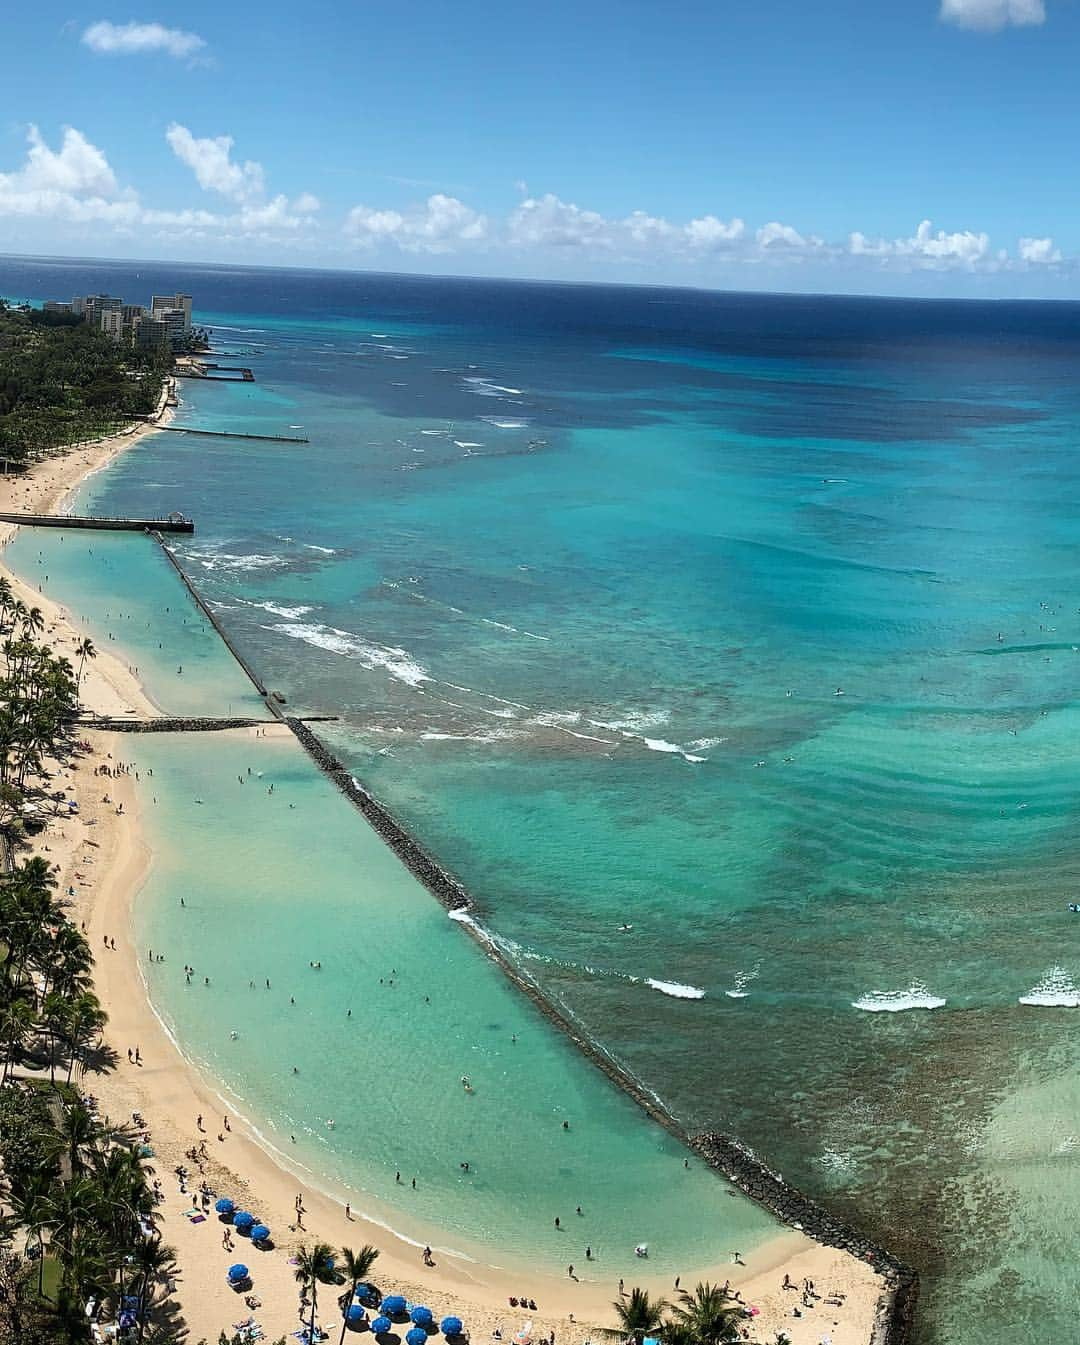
pixel 750 623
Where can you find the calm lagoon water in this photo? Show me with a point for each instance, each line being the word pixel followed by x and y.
pixel 748 621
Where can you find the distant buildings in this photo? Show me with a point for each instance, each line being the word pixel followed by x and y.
pixel 166 324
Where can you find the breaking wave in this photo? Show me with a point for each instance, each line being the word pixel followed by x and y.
pixel 1056 990
pixel 675 988
pixel 397 662
pixel 916 996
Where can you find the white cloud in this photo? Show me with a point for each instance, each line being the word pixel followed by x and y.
pixel 710 232
pixel 77 167
pixel 439 225
pixel 774 235
pixel 1039 251
pixel 990 16
pixel 548 221
pixel 210 159
pixel 927 250
pixel 137 39
pixel 74 182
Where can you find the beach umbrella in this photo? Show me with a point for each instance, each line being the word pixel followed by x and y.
pixel 416 1335
pixel 355 1315
pixel 238 1272
pixel 451 1326
pixel 260 1233
pixel 225 1206
pixel 393 1304
pixel 422 1316
pixel 381 1324
pixel 364 1291
pixel 244 1222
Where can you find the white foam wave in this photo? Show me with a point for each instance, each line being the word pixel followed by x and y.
pixel 675 988
pixel 637 721
pixel 276 609
pixel 916 996
pixel 706 744
pixel 492 736
pixel 222 560
pixel 466 443
pixel 326 550
pixel 484 387
pixel 397 662
pixel 1056 990
pixel 742 980
pixel 505 424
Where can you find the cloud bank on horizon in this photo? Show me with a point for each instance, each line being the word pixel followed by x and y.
pixel 77 184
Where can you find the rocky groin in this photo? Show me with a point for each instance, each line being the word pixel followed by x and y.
pixel 896 1311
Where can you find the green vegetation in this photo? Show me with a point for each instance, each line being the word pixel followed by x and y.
pixel 62 383
pixel 708 1316
pixel 79 1218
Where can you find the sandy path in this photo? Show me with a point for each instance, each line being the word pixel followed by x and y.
pixel 102 855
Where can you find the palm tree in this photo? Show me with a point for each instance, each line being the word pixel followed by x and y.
pixel 153 1259
pixel 16 1022
pixel 313 1268
pixel 710 1312
pixel 84 649
pixel 356 1266
pixel 640 1314
pixel 33 1212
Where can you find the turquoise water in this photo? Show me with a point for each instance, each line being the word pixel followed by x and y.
pixel 297 876
pixel 131 604
pixel 583 571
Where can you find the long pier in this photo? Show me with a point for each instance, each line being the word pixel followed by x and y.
pixel 175 524
pixel 234 434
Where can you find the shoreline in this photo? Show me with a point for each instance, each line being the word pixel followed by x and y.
pixel 179 1088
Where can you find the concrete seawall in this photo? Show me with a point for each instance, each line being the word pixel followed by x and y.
pixel 163 724
pixel 158 525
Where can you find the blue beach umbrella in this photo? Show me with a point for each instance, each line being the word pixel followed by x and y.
pixel 451 1326
pixel 225 1206
pixel 422 1316
pixel 260 1233
pixel 381 1324
pixel 393 1305
pixel 355 1315
pixel 244 1222
pixel 364 1291
pixel 416 1335
pixel 238 1272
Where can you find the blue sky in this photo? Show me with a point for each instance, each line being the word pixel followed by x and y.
pixel 902 146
